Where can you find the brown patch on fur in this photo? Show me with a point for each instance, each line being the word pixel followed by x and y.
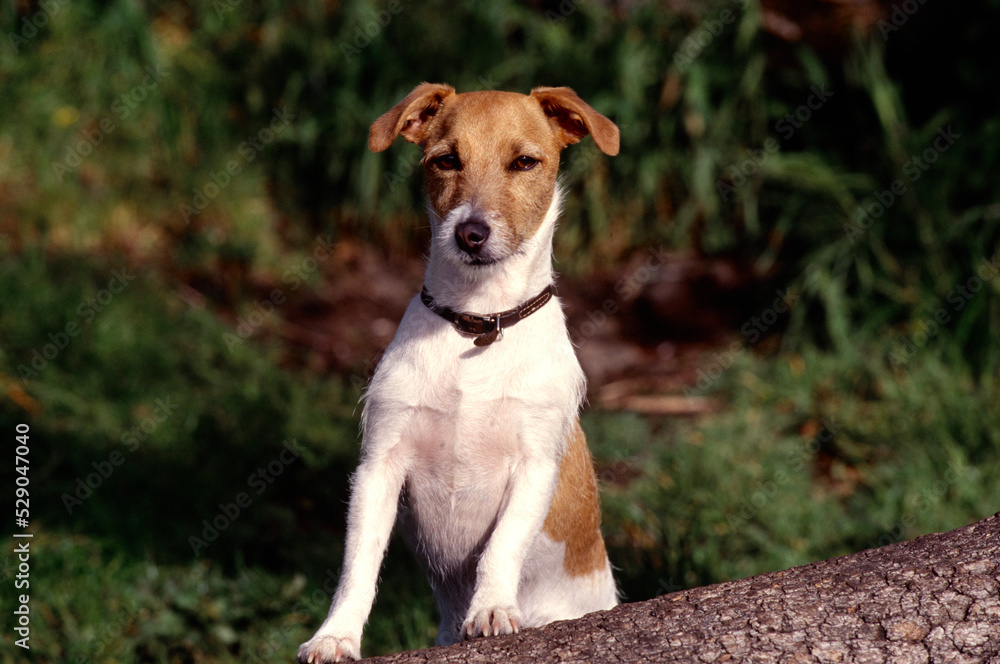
pixel 409 117
pixel 574 516
pixel 483 134
pixel 487 131
pixel 572 119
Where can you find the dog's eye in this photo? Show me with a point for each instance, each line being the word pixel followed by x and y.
pixel 447 162
pixel 523 163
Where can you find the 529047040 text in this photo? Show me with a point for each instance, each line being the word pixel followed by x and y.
pixel 22 548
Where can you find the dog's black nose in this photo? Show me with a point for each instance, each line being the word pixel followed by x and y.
pixel 471 236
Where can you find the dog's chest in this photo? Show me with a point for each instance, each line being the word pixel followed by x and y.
pixel 461 457
pixel 467 417
pixel 465 443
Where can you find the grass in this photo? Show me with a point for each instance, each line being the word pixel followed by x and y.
pixel 200 86
pixel 816 456
pixel 158 537
pixel 149 149
pixel 190 612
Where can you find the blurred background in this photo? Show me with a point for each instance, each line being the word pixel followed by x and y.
pixel 784 291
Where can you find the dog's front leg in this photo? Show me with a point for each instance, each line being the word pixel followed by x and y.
pixel 532 483
pixel 370 517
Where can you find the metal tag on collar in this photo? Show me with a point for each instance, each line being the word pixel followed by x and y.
pixel 489 337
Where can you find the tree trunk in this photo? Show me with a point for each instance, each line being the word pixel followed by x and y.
pixel 933 599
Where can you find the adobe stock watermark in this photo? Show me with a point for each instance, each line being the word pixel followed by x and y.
pixel 110 629
pixel 293 278
pixel 696 42
pixel 86 485
pixel 258 481
pixel 626 289
pixel 273 644
pixel 900 14
pixel 958 297
pixel 584 159
pixel 565 9
pixel 30 27
pixel 225 6
pixel 751 331
pixel 407 162
pixel 123 106
pixel 793 462
pixel 247 151
pixel 371 29
pixel 867 213
pixel 916 505
pixel 86 312
pixel 668 586
pixel 741 172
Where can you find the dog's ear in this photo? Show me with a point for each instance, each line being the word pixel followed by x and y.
pixel 409 117
pixel 572 118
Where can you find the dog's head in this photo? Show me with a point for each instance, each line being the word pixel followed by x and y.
pixel 490 160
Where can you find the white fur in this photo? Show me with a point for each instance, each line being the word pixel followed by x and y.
pixel 472 438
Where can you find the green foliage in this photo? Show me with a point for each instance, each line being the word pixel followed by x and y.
pixel 151 380
pixel 90 604
pixel 162 476
pixel 817 456
pixel 730 144
pixel 212 141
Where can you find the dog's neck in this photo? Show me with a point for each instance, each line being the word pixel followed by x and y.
pixel 487 289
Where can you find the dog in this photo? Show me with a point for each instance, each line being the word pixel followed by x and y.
pixel 471 433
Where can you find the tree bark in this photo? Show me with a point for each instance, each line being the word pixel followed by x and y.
pixel 932 599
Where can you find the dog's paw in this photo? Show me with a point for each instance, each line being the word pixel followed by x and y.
pixel 492 621
pixel 327 649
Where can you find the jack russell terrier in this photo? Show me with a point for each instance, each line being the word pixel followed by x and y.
pixel 470 425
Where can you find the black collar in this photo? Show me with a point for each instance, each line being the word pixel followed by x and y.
pixel 488 329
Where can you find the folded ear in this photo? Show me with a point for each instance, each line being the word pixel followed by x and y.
pixel 572 118
pixel 409 117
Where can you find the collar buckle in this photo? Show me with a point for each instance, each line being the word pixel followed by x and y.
pixel 496 334
pixel 487 329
